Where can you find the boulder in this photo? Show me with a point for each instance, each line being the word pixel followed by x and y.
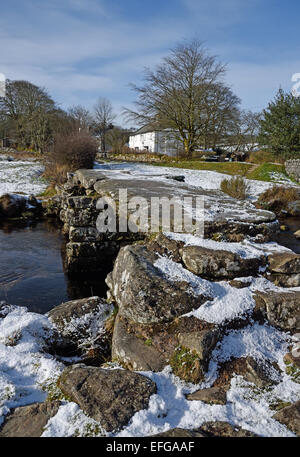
pixel 281 309
pixel 214 429
pixel 212 396
pixel 163 245
pixel 285 263
pixel 179 178
pixel 185 343
pixel 179 433
pixel 291 359
pixel 293 208
pixel 12 206
pixel 212 263
pixel 5 309
pixel 282 280
pixel 111 397
pixel 290 416
pixel 28 421
pixel 224 429
pixel 260 374
pixel 19 206
pixel 239 284
pixel 297 234
pixel 80 324
pixel 144 294
pixel 88 178
pixel 133 352
pixel 5 158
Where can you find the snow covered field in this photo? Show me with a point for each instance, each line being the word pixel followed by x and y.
pixel 21 177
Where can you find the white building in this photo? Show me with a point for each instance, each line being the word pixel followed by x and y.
pixel 155 141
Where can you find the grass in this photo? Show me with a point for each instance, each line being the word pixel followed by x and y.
pixel 262 156
pixel 277 198
pixel 236 187
pixel 186 365
pixel 230 168
pixel 262 172
pixel 49 192
pixel 293 371
pixel 247 170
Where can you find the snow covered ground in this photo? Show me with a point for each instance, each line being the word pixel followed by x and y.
pixel 209 180
pixel 28 372
pixel 24 366
pixel 21 177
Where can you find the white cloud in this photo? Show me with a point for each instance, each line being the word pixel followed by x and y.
pixel 257 84
pixel 219 13
pixel 81 49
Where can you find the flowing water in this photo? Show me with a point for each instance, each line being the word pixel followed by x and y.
pixel 287 238
pixel 31 268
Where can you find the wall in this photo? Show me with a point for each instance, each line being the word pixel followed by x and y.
pixel 156 142
pixel 137 157
pixel 292 168
pixel 143 141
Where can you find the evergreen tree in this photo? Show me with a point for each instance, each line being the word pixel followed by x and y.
pixel 280 125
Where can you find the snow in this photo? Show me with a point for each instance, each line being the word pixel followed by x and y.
pixel 246 249
pixel 208 180
pixel 262 342
pixel 175 272
pixel 21 177
pixel 26 371
pixel 24 366
pixel 228 302
pixel 89 327
pixel 246 407
pixel 69 421
pixel 169 408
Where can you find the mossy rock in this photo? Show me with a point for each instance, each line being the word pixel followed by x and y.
pixel 293 371
pixel 186 364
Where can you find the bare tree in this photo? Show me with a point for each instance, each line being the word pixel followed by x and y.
pixel 176 93
pixel 29 109
pixel 104 117
pixel 245 130
pixel 219 115
pixel 82 118
pixel 117 139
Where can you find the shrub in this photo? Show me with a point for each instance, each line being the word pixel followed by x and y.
pixel 263 156
pixel 69 153
pixel 277 198
pixel 236 187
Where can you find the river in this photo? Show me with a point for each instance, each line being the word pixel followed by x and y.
pixel 31 268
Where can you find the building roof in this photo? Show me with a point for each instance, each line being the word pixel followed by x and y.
pixel 145 129
pixel 149 128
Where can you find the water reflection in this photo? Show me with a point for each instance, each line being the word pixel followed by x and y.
pixel 288 238
pixel 31 268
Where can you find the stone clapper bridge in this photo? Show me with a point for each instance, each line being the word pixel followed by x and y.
pixel 91 251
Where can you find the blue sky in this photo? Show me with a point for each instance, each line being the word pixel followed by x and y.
pixel 82 49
